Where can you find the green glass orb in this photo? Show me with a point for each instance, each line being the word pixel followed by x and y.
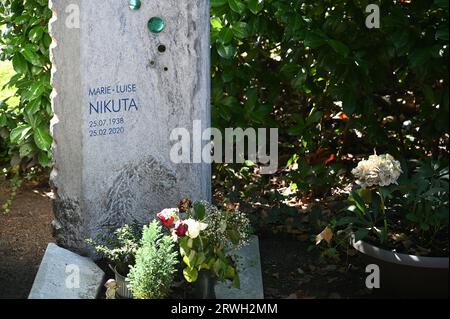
pixel 156 25
pixel 134 4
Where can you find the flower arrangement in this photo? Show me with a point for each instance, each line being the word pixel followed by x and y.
pixel 147 260
pixel 368 202
pixel 207 238
pixel 397 211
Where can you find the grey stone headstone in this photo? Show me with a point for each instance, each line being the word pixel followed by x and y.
pixel 250 274
pixel 116 100
pixel 66 275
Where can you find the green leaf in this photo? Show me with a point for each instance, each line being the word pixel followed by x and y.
pixel 187 261
pixel 201 258
pixel 237 6
pixel 361 233
pixel 442 34
pixel 33 107
pixel 20 64
pixel 344 221
pixel 42 138
pixel 216 24
pixel 349 102
pixel 190 274
pixel 240 30
pixel 20 133
pixel 359 202
pixel 35 91
pixel 199 211
pixel 226 52
pixel 236 282
pixel 218 3
pixel 3 120
pixel 31 55
pixel 225 35
pixel 314 117
pixel 313 40
pixel 255 6
pixel 217 266
pixel 339 47
pixel 36 34
pixel 44 159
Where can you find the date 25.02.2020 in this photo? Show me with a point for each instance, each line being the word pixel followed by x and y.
pixel 107 131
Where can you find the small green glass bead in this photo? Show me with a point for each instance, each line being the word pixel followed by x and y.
pixel 156 25
pixel 134 4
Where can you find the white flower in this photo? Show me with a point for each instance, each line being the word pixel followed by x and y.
pixel 194 228
pixel 378 170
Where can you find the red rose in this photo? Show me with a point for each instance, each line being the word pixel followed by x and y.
pixel 181 229
pixel 184 205
pixel 167 217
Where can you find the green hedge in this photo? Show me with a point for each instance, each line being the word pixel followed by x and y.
pixel 24 40
pixel 293 64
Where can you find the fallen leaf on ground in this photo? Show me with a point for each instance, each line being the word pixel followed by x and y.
pixel 327 235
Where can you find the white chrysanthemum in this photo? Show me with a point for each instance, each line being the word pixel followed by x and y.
pixel 378 170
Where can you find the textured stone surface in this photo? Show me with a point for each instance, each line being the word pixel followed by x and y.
pixel 250 275
pixel 103 179
pixel 58 273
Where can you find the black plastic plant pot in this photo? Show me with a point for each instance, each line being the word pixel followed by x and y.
pixel 406 276
pixel 204 287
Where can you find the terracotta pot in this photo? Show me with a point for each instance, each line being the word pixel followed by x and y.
pixel 407 276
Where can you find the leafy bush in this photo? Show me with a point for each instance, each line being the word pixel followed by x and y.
pixel 24 40
pixel 287 62
pixel 283 64
pixel 426 203
pixel 156 260
pixel 120 251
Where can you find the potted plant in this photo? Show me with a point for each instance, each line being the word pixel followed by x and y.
pixel 401 228
pixel 120 253
pixel 153 272
pixel 207 238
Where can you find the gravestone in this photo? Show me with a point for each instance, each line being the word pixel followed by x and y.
pixel 123 78
pixel 66 275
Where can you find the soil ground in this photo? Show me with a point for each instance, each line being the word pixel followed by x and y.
pixel 24 235
pixel 289 269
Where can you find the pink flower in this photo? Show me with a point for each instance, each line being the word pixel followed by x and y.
pixel 167 217
pixel 181 229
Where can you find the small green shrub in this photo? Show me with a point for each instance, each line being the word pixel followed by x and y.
pixel 156 260
pixel 120 250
